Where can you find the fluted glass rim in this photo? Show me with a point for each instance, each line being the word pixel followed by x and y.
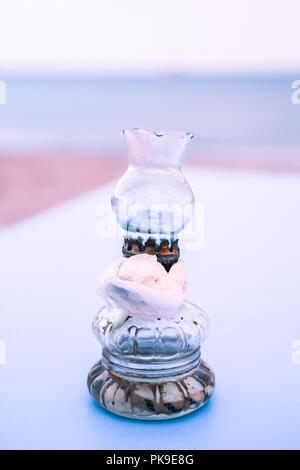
pixel 159 133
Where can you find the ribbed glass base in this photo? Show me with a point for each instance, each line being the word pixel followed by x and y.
pixel 151 397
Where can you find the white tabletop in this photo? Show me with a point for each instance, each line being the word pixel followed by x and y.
pixel 246 277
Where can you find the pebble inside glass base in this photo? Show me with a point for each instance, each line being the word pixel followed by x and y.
pixel 144 400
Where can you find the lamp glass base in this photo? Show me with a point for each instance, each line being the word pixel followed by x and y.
pixel 151 399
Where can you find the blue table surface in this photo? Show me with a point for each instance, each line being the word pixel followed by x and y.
pixel 246 277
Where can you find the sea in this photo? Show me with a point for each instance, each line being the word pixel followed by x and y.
pixel 226 114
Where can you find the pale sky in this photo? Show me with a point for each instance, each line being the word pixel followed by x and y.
pixel 149 36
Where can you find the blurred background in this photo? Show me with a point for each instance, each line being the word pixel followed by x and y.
pixel 78 71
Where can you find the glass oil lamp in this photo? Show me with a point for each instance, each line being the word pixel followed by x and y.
pixel 151 366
